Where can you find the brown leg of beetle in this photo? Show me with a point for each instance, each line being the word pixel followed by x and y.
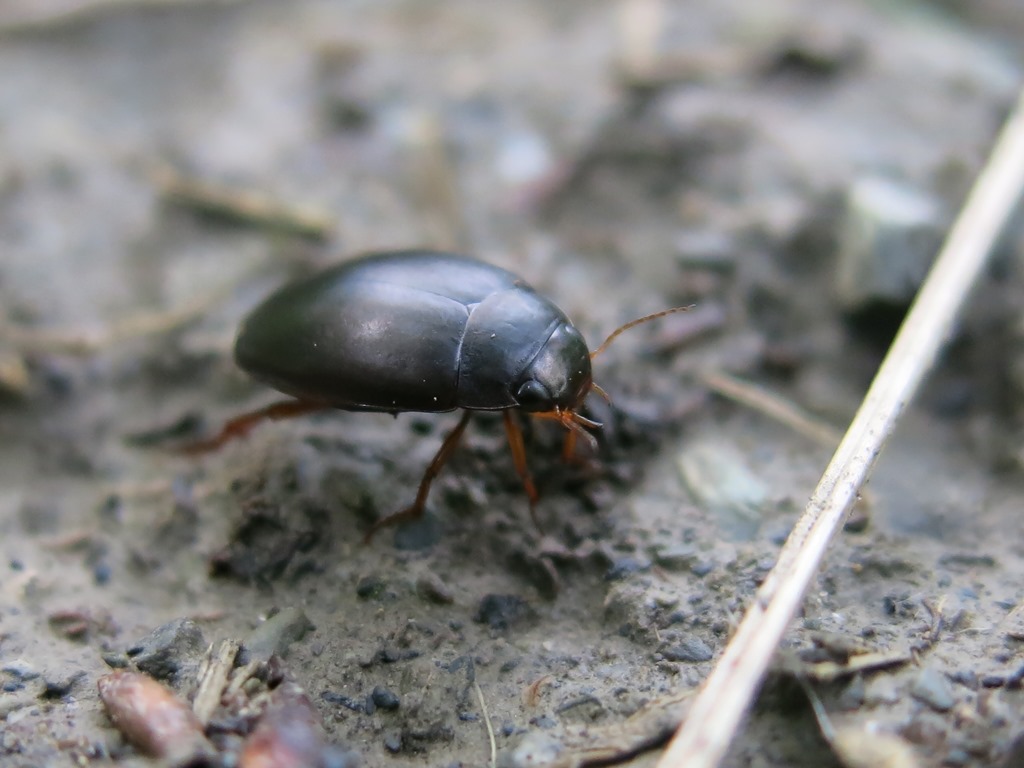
pixel 244 423
pixel 515 442
pixel 415 510
pixel 569 447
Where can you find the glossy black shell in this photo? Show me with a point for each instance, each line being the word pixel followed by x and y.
pixel 416 331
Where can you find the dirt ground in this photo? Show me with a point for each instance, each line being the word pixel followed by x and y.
pixel 164 165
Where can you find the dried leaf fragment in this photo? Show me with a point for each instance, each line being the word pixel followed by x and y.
pixel 152 718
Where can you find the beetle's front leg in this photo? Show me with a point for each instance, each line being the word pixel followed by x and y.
pixel 415 509
pixel 515 442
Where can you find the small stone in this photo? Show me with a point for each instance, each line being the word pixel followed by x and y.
pixel 852 697
pixel 421 533
pixel 430 587
pixel 101 573
pixel 691 649
pixel 932 688
pixel 887 240
pixel 171 651
pixel 720 480
pixel 535 749
pixel 59 688
pixel 676 557
pixel 502 611
pixel 393 743
pixel 370 587
pixel 115 660
pixel 881 690
pixel 702 568
pixel 706 249
pixel 277 634
pixel 21 669
pixel 624 567
pixel 385 699
pixel 957 757
pixel 333 697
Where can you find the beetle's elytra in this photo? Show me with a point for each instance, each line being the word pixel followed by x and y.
pixel 416 331
pixel 420 331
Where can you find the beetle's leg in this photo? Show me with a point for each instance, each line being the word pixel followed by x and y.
pixel 415 510
pixel 515 442
pixel 569 447
pixel 243 424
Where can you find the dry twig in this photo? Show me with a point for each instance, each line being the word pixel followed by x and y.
pixel 242 206
pixel 702 740
pixel 771 405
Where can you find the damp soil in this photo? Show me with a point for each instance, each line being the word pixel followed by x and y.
pixel 623 158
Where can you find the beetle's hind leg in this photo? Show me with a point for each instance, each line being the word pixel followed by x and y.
pixel 244 423
pixel 415 510
pixel 515 442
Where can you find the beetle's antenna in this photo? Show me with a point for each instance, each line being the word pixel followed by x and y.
pixel 607 398
pixel 634 323
pixel 572 421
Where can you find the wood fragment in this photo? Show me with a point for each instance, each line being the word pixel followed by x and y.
pixel 152 718
pixel 288 735
pixel 829 671
pixel 487 722
pixel 213 678
pixel 241 206
pixel 771 405
pixel 861 744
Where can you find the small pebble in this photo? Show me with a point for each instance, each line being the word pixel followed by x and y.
pixel 115 660
pixel 702 569
pixel 535 749
pixel 385 699
pixel 277 634
pixel 624 567
pixel 676 557
pixel 932 688
pixel 20 668
pixel 720 480
pixel 419 534
pixel 957 757
pixel 879 690
pixel 430 587
pixel 691 649
pixel 170 651
pixel 58 689
pixel 887 240
pixel 502 611
pixel 393 743
pixel 332 697
pixel 101 574
pixel 370 587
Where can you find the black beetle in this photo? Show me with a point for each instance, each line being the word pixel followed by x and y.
pixel 423 331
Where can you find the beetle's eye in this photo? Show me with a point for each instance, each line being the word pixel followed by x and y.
pixel 533 396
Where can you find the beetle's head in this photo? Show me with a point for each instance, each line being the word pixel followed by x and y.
pixel 558 378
